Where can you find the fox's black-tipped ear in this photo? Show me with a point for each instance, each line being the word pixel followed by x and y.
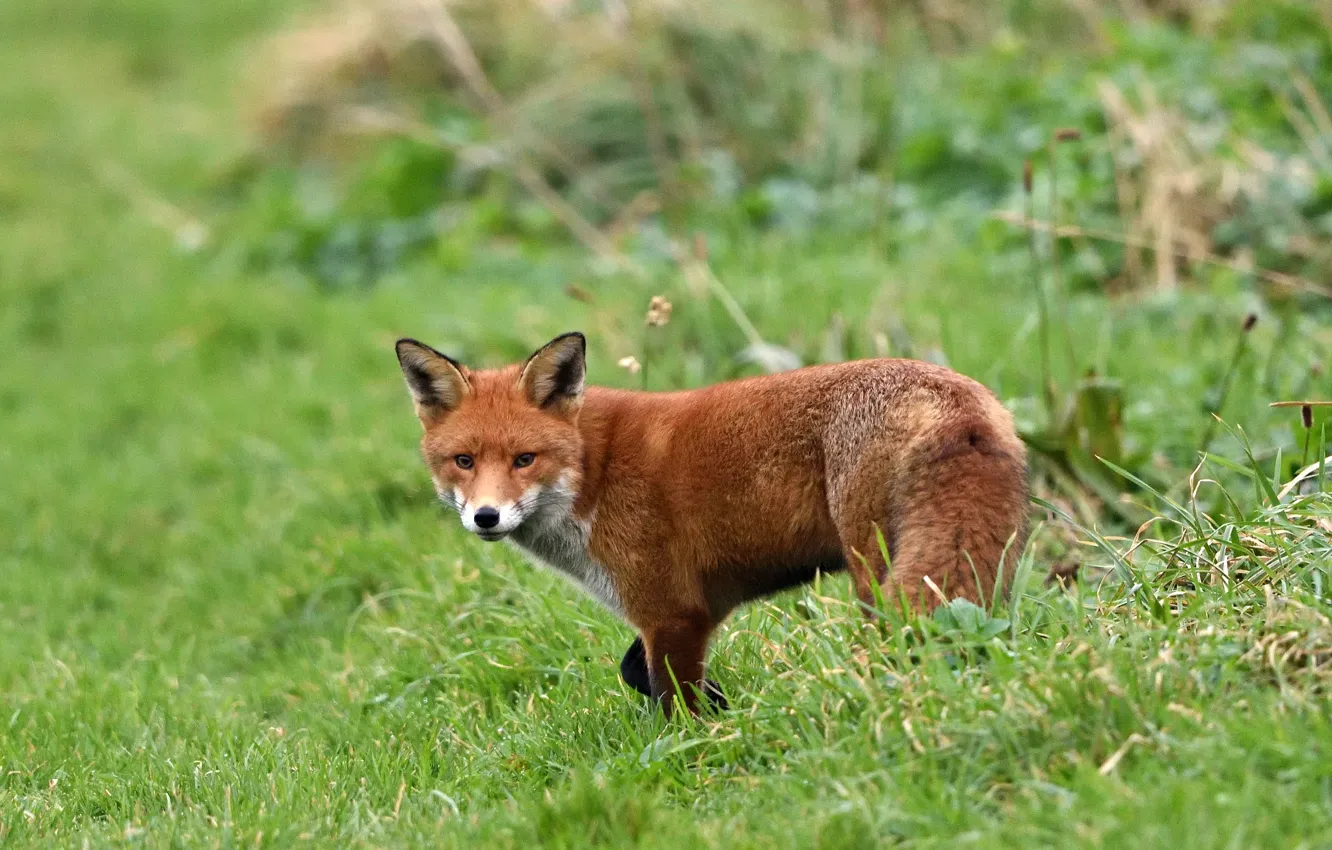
pixel 437 383
pixel 553 377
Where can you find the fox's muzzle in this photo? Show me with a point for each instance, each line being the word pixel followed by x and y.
pixel 491 522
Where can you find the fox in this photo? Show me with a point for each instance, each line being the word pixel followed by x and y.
pixel 672 509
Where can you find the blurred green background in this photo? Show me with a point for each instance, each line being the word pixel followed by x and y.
pixel 231 613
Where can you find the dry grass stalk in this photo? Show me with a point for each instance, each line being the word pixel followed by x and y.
pixel 365 119
pixel 373 51
pixel 189 232
pixel 701 281
pixel 1179 192
pixel 459 50
pixel 1280 280
pixel 1173 192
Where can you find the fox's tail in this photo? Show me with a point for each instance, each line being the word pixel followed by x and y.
pixel 963 514
pixel 954 516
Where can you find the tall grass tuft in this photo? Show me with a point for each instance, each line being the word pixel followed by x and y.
pixel 608 100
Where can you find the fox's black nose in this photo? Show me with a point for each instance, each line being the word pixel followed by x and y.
pixel 486 517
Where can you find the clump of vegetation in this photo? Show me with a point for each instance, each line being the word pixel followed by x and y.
pixel 614 117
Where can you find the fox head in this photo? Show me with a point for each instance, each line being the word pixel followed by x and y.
pixel 502 445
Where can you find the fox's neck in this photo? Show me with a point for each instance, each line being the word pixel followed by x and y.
pixel 614 426
pixel 560 537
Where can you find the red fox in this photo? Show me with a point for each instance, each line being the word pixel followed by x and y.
pixel 673 508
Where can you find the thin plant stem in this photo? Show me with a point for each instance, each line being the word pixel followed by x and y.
pixel 647 356
pixel 1042 309
pixel 1056 267
pixel 1306 419
pixel 1287 282
pixel 1241 344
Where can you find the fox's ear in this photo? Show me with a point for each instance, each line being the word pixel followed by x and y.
pixel 437 383
pixel 553 377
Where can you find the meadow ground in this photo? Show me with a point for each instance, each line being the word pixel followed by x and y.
pixel 231 613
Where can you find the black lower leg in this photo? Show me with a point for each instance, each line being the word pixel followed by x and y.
pixel 634 669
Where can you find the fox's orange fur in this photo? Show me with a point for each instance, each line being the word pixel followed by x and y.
pixel 674 508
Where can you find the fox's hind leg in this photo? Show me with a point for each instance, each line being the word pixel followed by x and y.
pixel 954 513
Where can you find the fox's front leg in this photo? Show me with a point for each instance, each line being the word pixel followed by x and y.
pixel 676 648
pixel 634 671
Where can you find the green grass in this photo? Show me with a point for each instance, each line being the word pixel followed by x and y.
pixel 233 615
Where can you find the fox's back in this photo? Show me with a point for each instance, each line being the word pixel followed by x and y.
pixel 753 471
pixel 803 421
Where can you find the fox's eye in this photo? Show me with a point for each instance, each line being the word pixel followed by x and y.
pixel 463 461
pixel 524 459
